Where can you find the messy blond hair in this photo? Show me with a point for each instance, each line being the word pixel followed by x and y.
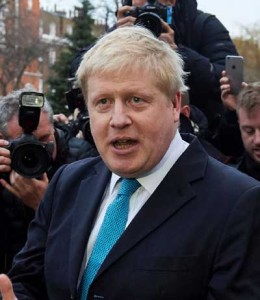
pixel 133 48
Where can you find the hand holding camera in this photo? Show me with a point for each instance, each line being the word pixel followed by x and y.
pixel 29 190
pixel 155 16
pixel 24 159
pixel 30 157
pixel 168 35
pixel 123 17
pixel 5 160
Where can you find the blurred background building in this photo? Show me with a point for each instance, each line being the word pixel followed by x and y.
pixel 31 40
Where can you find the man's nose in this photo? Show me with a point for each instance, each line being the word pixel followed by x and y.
pixel 257 137
pixel 120 116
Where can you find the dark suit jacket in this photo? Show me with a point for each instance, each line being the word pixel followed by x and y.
pixel 196 238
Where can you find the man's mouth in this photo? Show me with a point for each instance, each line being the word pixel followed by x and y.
pixel 257 150
pixel 124 144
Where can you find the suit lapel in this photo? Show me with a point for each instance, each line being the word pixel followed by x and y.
pixel 86 206
pixel 172 194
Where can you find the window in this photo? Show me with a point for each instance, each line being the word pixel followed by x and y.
pixel 53 29
pixel 69 29
pixel 29 4
pixel 2 28
pixel 52 56
pixel 16 7
pixel 41 28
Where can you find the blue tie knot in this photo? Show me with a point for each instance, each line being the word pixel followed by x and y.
pixel 128 186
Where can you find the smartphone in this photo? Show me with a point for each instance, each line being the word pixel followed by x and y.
pixel 234 66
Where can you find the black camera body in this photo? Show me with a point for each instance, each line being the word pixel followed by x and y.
pixel 29 157
pixel 150 16
pixel 74 96
pixel 75 100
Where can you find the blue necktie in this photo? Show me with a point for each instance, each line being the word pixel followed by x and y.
pixel 111 229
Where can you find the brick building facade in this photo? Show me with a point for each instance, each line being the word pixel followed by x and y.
pixel 47 28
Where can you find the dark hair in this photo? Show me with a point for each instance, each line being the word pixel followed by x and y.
pixel 249 97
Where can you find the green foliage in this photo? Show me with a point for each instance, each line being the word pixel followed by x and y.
pixel 83 24
pixel 57 82
pixel 248 45
pixel 60 72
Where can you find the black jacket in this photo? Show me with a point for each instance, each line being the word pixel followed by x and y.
pixel 15 217
pixel 196 238
pixel 197 124
pixel 203 42
pixel 247 165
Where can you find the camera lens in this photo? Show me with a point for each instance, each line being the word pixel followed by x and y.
pixel 150 21
pixel 30 160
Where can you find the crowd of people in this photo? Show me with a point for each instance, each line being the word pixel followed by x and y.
pixel 162 118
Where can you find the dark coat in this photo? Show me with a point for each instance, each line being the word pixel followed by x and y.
pixel 196 238
pixel 15 216
pixel 197 124
pixel 203 46
pixel 247 165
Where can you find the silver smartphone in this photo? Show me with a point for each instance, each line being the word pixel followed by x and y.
pixel 234 66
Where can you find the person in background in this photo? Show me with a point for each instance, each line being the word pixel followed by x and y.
pixel 247 108
pixel 203 43
pixel 21 196
pixel 193 120
pixel 153 217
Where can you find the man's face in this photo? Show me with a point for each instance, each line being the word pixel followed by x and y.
pixel 132 120
pixel 44 132
pixel 249 123
pixel 140 3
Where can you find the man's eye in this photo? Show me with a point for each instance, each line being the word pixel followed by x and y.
pixel 102 101
pixel 102 104
pixel 249 131
pixel 136 100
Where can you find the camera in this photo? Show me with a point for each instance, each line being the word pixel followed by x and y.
pixel 29 157
pixel 150 15
pixel 75 100
pixel 74 96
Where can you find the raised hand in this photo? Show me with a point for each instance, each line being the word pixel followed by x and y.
pixel 6 288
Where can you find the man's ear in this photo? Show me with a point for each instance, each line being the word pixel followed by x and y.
pixel 185 110
pixel 176 106
pixel 177 101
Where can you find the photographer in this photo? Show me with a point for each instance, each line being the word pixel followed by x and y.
pixel 200 38
pixel 20 196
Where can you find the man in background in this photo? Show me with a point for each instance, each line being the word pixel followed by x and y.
pixel 21 196
pixel 247 107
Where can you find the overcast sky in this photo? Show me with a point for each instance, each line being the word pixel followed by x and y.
pixel 232 13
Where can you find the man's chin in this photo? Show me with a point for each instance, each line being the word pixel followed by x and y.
pixel 125 171
pixel 256 157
